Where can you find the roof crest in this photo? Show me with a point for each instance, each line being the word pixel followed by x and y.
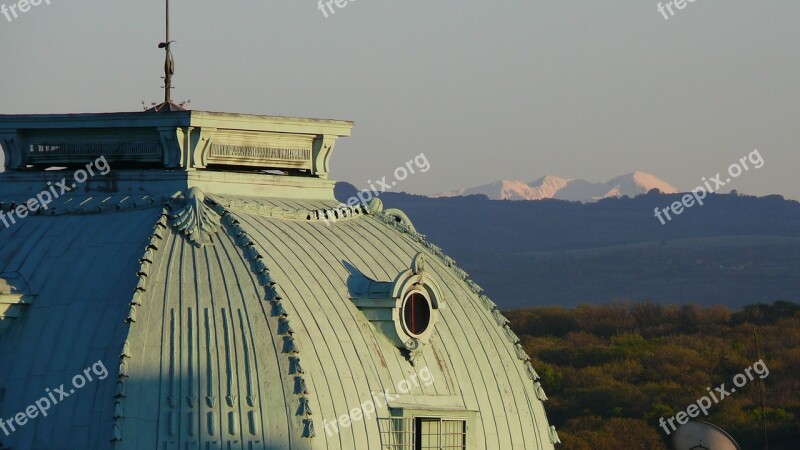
pixel 323 214
pixel 145 262
pixel 272 294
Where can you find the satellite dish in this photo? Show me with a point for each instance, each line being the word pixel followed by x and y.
pixel 702 436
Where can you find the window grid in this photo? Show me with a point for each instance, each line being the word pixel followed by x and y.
pixel 399 433
pixel 453 434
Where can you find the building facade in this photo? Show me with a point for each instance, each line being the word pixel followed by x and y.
pixel 186 280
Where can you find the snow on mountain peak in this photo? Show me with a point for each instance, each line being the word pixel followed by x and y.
pixel 550 186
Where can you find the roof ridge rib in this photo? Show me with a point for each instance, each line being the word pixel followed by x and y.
pixel 272 294
pixel 321 214
pixel 146 262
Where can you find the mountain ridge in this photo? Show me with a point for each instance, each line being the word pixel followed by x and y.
pixel 734 250
pixel 555 187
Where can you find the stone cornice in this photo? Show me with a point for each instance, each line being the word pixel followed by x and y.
pixel 187 140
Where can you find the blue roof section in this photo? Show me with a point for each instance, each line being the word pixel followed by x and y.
pixel 209 358
pixel 82 273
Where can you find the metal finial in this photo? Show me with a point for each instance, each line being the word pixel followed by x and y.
pixel 169 63
pixel 169 69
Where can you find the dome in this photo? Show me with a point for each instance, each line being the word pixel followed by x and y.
pixel 187 280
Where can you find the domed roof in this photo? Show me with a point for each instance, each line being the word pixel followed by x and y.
pixel 199 306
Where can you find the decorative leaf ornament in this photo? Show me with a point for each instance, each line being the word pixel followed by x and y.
pixel 196 220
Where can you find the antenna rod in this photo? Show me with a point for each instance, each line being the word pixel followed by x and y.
pixel 169 64
pixel 169 70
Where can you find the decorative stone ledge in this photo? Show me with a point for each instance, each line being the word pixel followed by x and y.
pixel 187 140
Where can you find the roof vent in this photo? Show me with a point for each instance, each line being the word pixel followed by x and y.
pixel 404 310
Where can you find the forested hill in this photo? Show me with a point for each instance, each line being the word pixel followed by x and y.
pixel 612 371
pixel 732 250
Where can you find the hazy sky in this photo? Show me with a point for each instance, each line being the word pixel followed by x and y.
pixel 487 90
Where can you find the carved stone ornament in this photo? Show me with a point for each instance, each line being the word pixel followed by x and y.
pixel 196 220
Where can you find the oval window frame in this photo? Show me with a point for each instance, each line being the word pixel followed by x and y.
pixel 430 314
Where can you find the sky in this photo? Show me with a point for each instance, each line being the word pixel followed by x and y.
pixel 485 90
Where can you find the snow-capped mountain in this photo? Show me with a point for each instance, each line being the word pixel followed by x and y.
pixel 550 186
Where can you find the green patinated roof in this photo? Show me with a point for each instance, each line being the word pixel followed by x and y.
pixel 229 321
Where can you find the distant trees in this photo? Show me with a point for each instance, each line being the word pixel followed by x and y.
pixel 762 313
pixel 654 191
pixel 615 433
pixel 611 371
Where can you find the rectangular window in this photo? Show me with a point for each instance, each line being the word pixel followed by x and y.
pixel 423 433
pixel 397 433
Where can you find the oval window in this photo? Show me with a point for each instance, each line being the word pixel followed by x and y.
pixel 416 313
